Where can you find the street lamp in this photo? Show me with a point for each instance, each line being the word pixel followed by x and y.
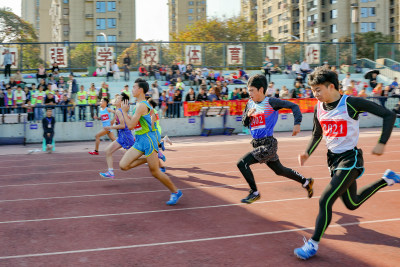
pixel 105 38
pixel 106 45
pixel 354 19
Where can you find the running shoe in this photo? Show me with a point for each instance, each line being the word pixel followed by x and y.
pixel 391 177
pixel 174 198
pixel 94 152
pixel 309 187
pixel 161 156
pixel 166 139
pixel 162 146
pixel 107 175
pixel 162 169
pixel 306 251
pixel 251 198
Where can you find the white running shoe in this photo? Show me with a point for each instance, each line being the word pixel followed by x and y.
pixel 166 139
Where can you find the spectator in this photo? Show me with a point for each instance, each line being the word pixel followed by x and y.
pixel 284 93
pixel 296 67
pixel 171 77
pixel 202 96
pixel 9 101
pixel 276 93
pixel 155 95
pixel 305 69
pixel 363 93
pixel 346 81
pixel 377 91
pixel 188 72
pixel 55 70
pixel 177 103
pixel 267 65
pixel 41 73
pixel 234 95
pixel 82 102
pixel 296 92
pixel 174 67
pixel 394 84
pixel 242 74
pixel 163 72
pixel 308 93
pixel 126 73
pixel 384 95
pixel 270 89
pixel 28 93
pixel 19 99
pixel 50 100
pixel 29 110
pixel 212 96
pixel 18 77
pixel 289 70
pixel 357 69
pixel 103 92
pixel 180 85
pixel 92 100
pixel 61 83
pixel 7 62
pixel 170 100
pixel 182 67
pixel 48 124
pixel 334 69
pixel 115 71
pixel 58 95
pixel 72 87
pixel 40 97
pixel 244 94
pixel 71 110
pixel 12 82
pixel 163 103
pixel 64 106
pixel 190 96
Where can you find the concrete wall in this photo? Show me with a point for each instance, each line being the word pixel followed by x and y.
pixel 78 131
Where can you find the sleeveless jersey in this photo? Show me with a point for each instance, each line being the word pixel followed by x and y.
pixel 19 99
pixel 144 124
pixel 157 126
pixel 105 117
pixel 339 129
pixel 118 122
pixel 92 96
pixel 263 120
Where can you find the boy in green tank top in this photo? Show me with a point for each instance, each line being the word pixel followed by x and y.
pixel 146 142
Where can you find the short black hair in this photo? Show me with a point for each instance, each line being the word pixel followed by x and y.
pixel 324 76
pixel 106 99
pixel 124 97
pixel 152 103
pixel 142 83
pixel 258 81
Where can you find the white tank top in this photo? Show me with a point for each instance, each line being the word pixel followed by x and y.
pixel 339 129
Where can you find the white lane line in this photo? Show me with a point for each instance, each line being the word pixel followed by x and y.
pixel 189 165
pixel 192 240
pixel 166 210
pixel 200 187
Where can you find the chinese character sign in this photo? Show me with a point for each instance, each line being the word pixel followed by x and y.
pixel 104 56
pixel 59 55
pixel 150 55
pixel 14 56
pixel 313 54
pixel 274 52
pixel 234 54
pixel 193 54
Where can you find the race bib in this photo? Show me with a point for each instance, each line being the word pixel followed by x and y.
pixel 19 97
pixel 334 128
pixel 40 97
pixel 104 117
pixel 257 121
pixel 157 117
pixel 104 94
pixel 138 127
pixel 92 97
pixel 82 97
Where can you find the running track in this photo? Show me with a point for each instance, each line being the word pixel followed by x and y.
pixel 56 211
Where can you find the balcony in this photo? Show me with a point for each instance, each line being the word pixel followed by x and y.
pixel 89 16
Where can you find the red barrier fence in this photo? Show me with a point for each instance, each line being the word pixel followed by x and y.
pixel 237 106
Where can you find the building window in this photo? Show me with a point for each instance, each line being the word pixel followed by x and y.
pixel 65 11
pixel 112 23
pixel 372 12
pixel 335 40
pixel 280 29
pixel 269 21
pixel 364 12
pixel 100 38
pixel 112 38
pixel 279 17
pixel 323 17
pixel 368 27
pixel 333 13
pixel 392 29
pixel 391 20
pixel 191 3
pixel 190 18
pixel 333 1
pixel 269 9
pixel 100 24
pixel 100 6
pixel 190 10
pixel 66 1
pixel 333 28
pixel 111 6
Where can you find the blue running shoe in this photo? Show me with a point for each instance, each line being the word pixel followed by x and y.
pixel 107 175
pixel 161 156
pixel 162 169
pixel 174 198
pixel 162 146
pixel 391 177
pixel 306 251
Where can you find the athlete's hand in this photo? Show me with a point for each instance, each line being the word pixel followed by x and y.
pixel 95 117
pixel 303 158
pixel 378 149
pixel 296 129
pixel 250 112
pixel 125 106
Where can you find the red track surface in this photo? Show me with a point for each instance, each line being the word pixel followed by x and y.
pixel 56 211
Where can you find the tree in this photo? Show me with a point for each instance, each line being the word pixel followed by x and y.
pixel 15 29
pixel 365 43
pixel 82 55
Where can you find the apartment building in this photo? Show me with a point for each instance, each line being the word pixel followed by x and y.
pixel 81 20
pixel 324 20
pixel 248 10
pixel 184 13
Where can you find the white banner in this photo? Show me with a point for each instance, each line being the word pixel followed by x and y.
pixel 104 56
pixel 313 53
pixel 234 54
pixel 14 56
pixel 150 55
pixel 59 55
pixel 274 52
pixel 193 54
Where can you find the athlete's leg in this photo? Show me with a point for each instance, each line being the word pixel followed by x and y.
pixel 340 182
pixel 244 167
pixel 111 148
pixel 353 198
pixel 131 159
pixel 154 167
pixel 281 170
pixel 111 136
pixel 101 133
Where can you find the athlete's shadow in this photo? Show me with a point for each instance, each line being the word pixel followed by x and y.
pixel 355 232
pixel 197 170
pixel 207 183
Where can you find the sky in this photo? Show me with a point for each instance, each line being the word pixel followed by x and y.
pixel 151 22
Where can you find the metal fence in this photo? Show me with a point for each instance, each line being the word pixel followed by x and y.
pixel 387 51
pixel 78 56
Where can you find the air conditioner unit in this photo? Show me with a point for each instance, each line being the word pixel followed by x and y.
pixel 89 33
